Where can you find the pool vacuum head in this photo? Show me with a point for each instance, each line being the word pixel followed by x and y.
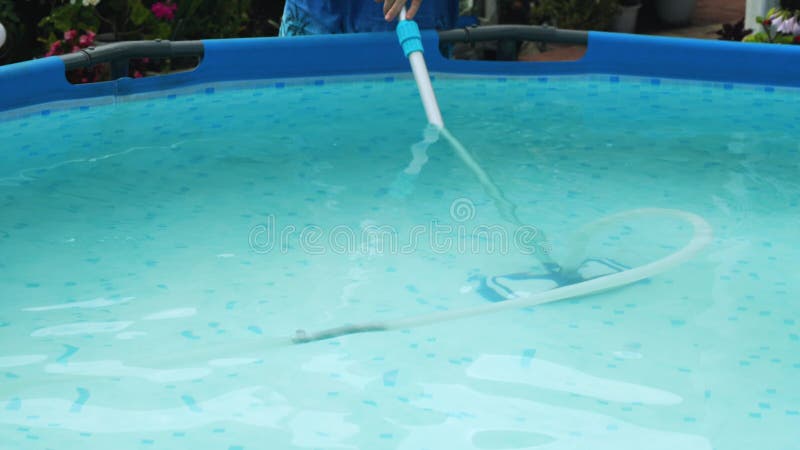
pixel 522 284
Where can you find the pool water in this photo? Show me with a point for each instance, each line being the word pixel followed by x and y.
pixel 156 255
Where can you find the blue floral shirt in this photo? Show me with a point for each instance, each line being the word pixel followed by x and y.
pixel 302 17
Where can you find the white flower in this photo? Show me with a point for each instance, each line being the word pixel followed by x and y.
pixel 90 2
pixel 795 28
pixel 776 19
pixel 785 26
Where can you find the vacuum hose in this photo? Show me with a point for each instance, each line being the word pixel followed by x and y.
pixel 701 238
pixel 411 41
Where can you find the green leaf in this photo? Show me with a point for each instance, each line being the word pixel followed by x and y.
pixel 163 30
pixel 139 13
pixel 62 18
pixel 757 37
pixel 7 13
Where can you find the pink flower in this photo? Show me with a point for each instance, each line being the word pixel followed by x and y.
pixel 87 39
pixel 70 35
pixel 137 74
pixel 75 48
pixel 164 10
pixel 54 49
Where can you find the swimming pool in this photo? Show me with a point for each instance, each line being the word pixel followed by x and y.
pixel 158 248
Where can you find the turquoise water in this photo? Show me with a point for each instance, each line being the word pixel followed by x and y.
pixel 147 303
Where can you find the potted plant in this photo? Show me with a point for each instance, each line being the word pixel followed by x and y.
pixel 625 20
pixel 675 12
pixel 780 26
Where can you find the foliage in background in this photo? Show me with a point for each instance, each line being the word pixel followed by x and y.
pixel 20 18
pixel 196 19
pixel 126 19
pixel 35 25
pixel 733 31
pixel 779 26
pixel 575 14
pixel 7 14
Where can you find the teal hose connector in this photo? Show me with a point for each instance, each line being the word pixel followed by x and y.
pixel 409 36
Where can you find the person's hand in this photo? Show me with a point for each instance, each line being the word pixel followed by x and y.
pixel 391 8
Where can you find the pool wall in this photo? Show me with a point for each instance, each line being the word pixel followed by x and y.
pixel 43 80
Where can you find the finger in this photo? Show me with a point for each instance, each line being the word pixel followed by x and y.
pixel 415 4
pixel 386 5
pixel 395 10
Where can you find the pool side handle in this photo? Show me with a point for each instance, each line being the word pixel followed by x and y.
pixel 119 54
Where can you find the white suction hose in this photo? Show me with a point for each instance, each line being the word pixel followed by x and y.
pixel 412 45
pixel 701 238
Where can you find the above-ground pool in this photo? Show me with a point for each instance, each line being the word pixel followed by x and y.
pixel 162 240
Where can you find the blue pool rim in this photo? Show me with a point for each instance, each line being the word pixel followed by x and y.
pixel 43 80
